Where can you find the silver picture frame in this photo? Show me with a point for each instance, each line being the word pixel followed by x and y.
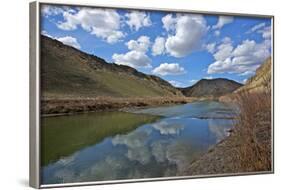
pixel 34 120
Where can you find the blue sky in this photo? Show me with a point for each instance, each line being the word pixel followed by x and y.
pixel 180 48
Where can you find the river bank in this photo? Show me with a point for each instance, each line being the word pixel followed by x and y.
pixel 51 107
pixel 248 148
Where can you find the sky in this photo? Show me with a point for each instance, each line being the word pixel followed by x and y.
pixel 181 48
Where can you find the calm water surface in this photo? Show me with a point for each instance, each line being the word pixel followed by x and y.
pixel 142 146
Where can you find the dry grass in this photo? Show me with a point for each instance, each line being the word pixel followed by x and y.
pixel 64 106
pixel 254 131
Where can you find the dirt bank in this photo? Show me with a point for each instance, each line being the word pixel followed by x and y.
pixel 68 106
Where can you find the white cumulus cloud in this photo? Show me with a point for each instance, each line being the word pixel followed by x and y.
pixel 137 19
pixel 67 40
pixel 192 81
pixel 71 41
pixel 103 23
pixel 210 47
pixel 224 50
pixel 133 59
pixel 223 20
pixel 217 33
pixel 45 33
pixel 186 33
pixel 168 69
pixel 176 83
pixel 266 32
pixel 141 44
pixel 208 77
pixel 169 22
pixel 158 47
pixel 136 57
pixel 52 10
pixel 244 59
pixel 256 27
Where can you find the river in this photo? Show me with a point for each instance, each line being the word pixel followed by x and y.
pixel 143 143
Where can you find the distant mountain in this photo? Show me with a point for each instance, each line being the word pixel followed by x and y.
pixel 68 72
pixel 261 80
pixel 211 87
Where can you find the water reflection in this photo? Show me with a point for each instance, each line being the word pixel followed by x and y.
pixel 166 128
pixel 159 149
pixel 220 128
pixel 135 143
pixel 203 109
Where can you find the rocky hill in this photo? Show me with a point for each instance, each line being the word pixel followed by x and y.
pixel 69 73
pixel 211 87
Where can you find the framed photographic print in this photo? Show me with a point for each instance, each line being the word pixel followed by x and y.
pixel 132 94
